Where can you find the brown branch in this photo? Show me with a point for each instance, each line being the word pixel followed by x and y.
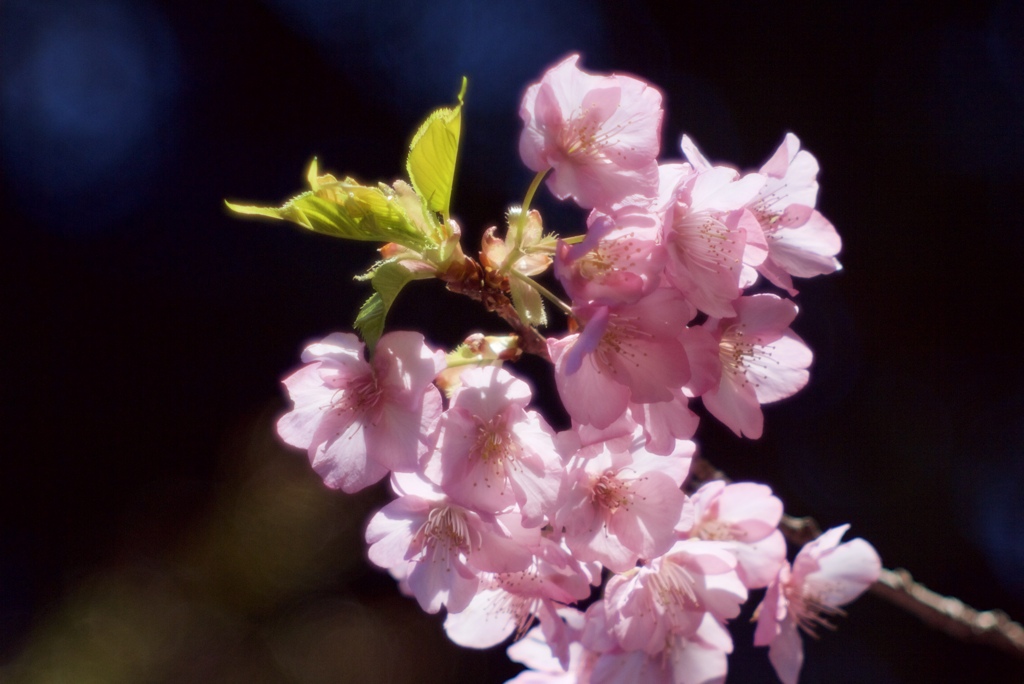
pixel 950 615
pixel 469 278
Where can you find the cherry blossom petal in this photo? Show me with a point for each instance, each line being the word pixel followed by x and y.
pixel 751 508
pixel 342 459
pixel 758 563
pixel 806 249
pixel 786 652
pixel 397 438
pixel 390 531
pixel 479 626
pixel 306 389
pixel 437 584
pixel 844 573
pixel 588 394
pixel 665 423
pixel 736 409
pixel 787 372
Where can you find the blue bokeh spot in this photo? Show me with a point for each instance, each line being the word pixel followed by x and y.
pixel 87 88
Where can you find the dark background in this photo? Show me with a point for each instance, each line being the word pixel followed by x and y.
pixel 154 530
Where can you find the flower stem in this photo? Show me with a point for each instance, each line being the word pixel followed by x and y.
pixel 530 192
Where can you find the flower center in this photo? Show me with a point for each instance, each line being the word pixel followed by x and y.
pixel 705 243
pixel 445 532
pixel 809 610
pixel 767 213
pixel 672 595
pixel 493 443
pixel 718 530
pixel 361 394
pixel 520 607
pixel 742 356
pixel 617 342
pixel 617 254
pixel 584 136
pixel 611 493
pixel 496 448
pixel 672 585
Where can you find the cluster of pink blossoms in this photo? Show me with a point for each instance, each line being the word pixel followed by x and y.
pixel 504 522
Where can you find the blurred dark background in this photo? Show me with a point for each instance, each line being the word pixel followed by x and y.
pixel 154 530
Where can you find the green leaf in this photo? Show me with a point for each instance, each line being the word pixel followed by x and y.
pixel 370 320
pixel 345 209
pixel 528 303
pixel 432 155
pixel 388 279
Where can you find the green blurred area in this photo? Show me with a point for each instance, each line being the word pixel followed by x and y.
pixel 269 585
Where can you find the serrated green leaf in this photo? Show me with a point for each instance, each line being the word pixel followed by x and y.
pixel 388 279
pixel 432 156
pixel 345 209
pixel 370 320
pixel 528 303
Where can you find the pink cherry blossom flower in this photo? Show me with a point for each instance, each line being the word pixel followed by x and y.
pixel 683 661
pixel 600 135
pixel 440 549
pixel 618 262
pixel 511 601
pixel 825 575
pixel 539 650
pixel 492 453
pixel 672 594
pixel 359 419
pixel 628 353
pixel 761 361
pixel 801 242
pixel 698 656
pixel 713 243
pixel 623 504
pixel 744 518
